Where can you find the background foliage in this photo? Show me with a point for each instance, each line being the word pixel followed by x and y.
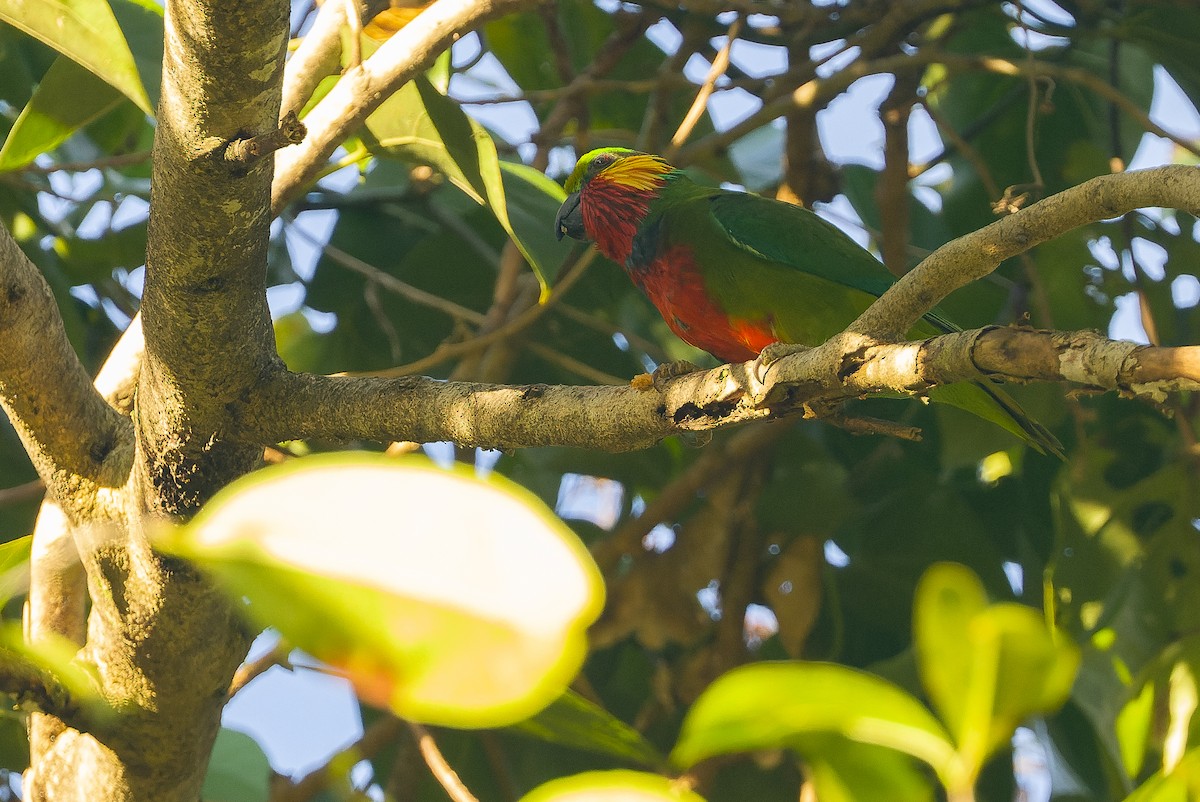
pixel 785 540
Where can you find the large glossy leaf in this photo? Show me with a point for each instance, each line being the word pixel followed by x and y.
pixel 87 32
pixel 448 598
pixel 532 200
pixel 776 705
pixel 986 667
pixel 610 786
pixel 420 124
pixel 68 97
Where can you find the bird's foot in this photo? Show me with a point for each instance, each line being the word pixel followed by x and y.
pixel 772 354
pixel 661 375
pixel 777 351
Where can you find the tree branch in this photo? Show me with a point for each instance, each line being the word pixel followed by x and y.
pixel 974 255
pixel 76 441
pixel 623 418
pixel 362 89
pixel 296 405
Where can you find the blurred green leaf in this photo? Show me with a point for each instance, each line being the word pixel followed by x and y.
pixel 87 32
pixel 609 786
pixel 843 770
pixel 573 721
pixel 475 573
pixel 14 567
pixel 986 667
pixel 772 705
pixel 55 657
pixel 1181 784
pixel 87 260
pixel 1164 30
pixel 533 199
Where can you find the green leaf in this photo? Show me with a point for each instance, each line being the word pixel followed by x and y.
pixel 845 771
pixel 87 32
pixel 774 705
pixel 238 770
pixel 532 200
pixel 574 721
pixel 14 567
pixel 68 97
pixel 409 578
pixel 986 668
pixel 420 124
pixel 1133 729
pixel 1181 784
pixel 607 786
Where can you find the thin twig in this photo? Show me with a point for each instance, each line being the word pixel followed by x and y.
pixel 450 350
pixel 19 494
pixel 716 460
pixel 390 282
pixel 719 65
pixel 1034 104
pixel 248 672
pixel 446 776
pixel 122 160
pixel 290 131
pixel 573 365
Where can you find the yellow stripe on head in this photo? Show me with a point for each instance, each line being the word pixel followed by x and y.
pixel 629 168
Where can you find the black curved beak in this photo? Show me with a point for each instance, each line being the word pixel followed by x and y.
pixel 569 221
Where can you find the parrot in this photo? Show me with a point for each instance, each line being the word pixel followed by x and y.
pixel 733 272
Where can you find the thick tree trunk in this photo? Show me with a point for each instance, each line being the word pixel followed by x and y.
pixel 162 643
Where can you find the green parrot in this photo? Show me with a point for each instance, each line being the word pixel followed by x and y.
pixel 732 272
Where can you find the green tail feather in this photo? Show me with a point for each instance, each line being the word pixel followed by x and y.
pixel 986 400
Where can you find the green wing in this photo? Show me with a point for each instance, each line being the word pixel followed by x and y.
pixel 797 238
pixel 801 239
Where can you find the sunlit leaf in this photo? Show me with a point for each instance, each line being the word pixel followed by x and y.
pixel 68 97
pixel 420 124
pixel 986 667
pixel 1181 784
pixel 87 32
pixel 771 705
pixel 14 567
pixel 611 786
pixel 843 770
pixel 532 200
pixel 448 598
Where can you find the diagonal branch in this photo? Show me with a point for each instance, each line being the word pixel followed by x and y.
pixel 363 88
pixel 974 255
pixel 77 442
